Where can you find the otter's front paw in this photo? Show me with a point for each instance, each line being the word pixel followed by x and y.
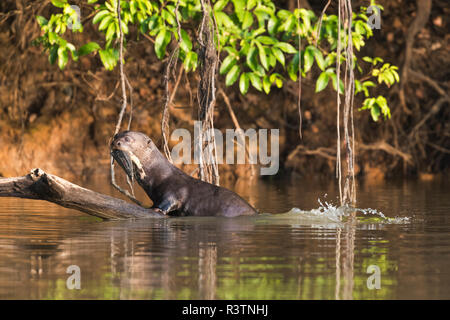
pixel 160 211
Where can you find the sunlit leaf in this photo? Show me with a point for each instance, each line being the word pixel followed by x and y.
pixel 227 64
pixel 88 48
pixel 100 15
pixel 286 47
pixel 266 84
pixel 42 21
pixel 244 83
pixel 247 21
pixel 255 81
pixel 308 57
pixel 219 5
pixel 161 42
pixel 278 55
pixel 59 3
pixel 232 75
pixel 109 58
pixel 251 58
pixel 63 57
pixel 322 81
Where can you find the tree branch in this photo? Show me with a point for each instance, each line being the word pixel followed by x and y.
pixel 386 147
pixel 40 185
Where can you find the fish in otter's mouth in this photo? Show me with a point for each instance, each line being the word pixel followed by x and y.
pixel 124 160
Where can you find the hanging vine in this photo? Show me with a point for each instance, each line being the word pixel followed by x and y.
pixel 347 188
pixel 206 94
pixel 123 80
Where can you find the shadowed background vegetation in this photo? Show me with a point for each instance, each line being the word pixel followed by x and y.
pixel 62 120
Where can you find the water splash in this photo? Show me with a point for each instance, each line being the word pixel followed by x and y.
pixel 340 214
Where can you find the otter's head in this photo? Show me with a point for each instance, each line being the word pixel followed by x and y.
pixel 129 148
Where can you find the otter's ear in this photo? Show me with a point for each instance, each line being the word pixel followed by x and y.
pixel 149 141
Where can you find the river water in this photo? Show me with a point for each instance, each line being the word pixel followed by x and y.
pixel 305 248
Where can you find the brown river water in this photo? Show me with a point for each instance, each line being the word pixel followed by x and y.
pixel 314 252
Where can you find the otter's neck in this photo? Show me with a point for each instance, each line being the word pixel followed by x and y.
pixel 155 170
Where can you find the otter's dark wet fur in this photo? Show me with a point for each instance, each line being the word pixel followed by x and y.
pixel 171 190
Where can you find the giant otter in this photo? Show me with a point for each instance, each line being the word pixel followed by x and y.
pixel 172 191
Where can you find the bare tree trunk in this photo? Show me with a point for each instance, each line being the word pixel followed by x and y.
pixel 40 185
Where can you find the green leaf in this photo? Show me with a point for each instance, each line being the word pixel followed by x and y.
pixel 106 22
pixel 109 58
pixel 111 31
pixel 367 59
pixel 92 1
pixel 358 86
pixel 308 58
pixel 334 82
pixel 264 9
pixel 288 25
pixel 63 57
pixel 375 112
pixel 396 76
pixel 88 48
pixel 244 83
pixel 219 5
pixel 284 14
pixel 224 20
pixel 239 8
pixel 270 57
pixel 330 59
pixel 232 75
pixel 272 25
pixel 168 17
pixel 251 58
pixel 262 56
pixel 42 21
pixel 185 43
pixel 278 55
pixel 266 40
pixel 382 103
pixel 322 81
pixel 100 15
pixel 227 64
pixel 247 21
pixel 266 84
pixel 251 4
pixel 59 3
pixel 276 77
pixel 190 62
pixel 255 80
pixel 320 60
pixel 368 84
pixel 53 54
pixel 53 37
pixel 153 23
pixel 279 82
pixel 368 103
pixel 110 7
pixel 286 47
pixel 124 27
pixel 293 67
pixel 161 42
pixel 231 51
pixel 73 51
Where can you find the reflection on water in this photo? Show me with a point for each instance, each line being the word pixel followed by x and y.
pixel 298 255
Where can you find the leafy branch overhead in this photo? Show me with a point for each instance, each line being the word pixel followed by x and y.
pixel 258 42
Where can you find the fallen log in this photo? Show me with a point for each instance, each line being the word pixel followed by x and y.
pixel 40 185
